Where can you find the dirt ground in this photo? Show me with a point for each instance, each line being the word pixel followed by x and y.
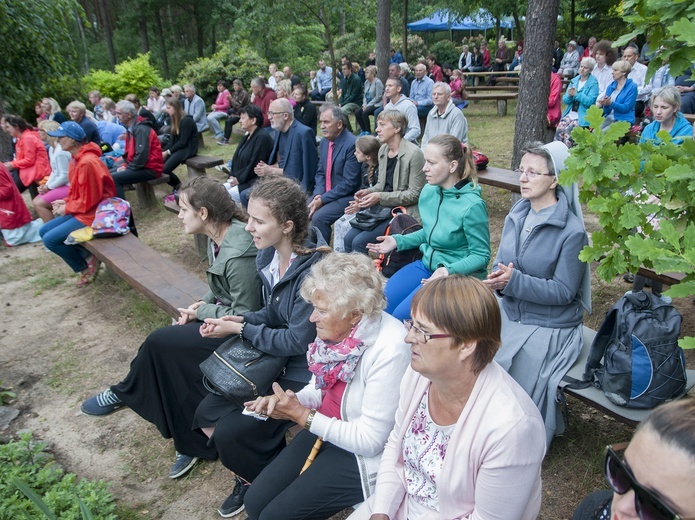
pixel 60 345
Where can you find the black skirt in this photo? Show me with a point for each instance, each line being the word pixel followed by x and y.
pixel 165 385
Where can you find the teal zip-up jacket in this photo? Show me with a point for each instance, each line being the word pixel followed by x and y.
pixel 455 232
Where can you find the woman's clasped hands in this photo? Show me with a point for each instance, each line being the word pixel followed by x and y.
pixel 221 327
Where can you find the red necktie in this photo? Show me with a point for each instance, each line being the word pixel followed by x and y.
pixel 329 165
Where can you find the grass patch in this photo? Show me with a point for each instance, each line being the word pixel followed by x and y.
pixel 46 281
pixel 65 376
pixel 128 305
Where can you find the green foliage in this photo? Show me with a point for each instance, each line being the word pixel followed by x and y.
pixel 233 60
pixel 417 48
pixel 38 42
pixel 132 76
pixel 6 395
pixel 446 52
pixel 299 47
pixel 61 493
pixel 644 197
pixel 354 46
pixel 666 23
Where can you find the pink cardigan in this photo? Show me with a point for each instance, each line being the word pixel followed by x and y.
pixel 492 468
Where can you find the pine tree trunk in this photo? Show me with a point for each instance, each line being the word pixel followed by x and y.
pixel 383 38
pixel 534 84
pixel 162 43
pixel 105 15
pixel 142 26
pixel 404 51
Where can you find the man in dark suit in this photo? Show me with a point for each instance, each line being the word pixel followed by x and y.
pixel 294 150
pixel 339 174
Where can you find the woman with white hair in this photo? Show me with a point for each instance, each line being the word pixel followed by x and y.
pixel 581 93
pixel 349 406
pixel 542 285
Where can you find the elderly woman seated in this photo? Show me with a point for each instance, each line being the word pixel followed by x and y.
pixel 468 442
pixel 347 409
pixel 543 286
pixel 581 94
pixel 621 95
pixel 654 478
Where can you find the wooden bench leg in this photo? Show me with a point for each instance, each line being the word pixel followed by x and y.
pixel 145 193
pixel 501 107
pixel 194 172
pixel 201 245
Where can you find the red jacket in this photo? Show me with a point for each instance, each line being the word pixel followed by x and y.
pixel 554 99
pixel 263 102
pixel 32 158
pixel 90 183
pixel 143 150
pixel 13 211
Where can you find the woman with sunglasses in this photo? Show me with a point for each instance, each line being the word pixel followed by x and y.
pixel 654 478
pixel 543 286
pixel 468 442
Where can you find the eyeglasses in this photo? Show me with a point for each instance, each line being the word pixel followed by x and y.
pixel 621 480
pixel 531 174
pixel 276 113
pixel 420 335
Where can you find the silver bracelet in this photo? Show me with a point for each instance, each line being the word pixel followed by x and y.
pixel 241 330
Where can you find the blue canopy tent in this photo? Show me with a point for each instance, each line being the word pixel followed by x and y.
pixel 444 20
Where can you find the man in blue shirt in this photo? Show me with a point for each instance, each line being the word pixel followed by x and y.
pixel 421 91
pixel 396 57
pixel 324 78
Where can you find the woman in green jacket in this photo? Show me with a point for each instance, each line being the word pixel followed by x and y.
pixel 454 239
pixel 164 385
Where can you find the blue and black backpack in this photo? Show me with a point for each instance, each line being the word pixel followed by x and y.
pixel 643 366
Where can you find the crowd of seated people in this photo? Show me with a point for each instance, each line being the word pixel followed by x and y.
pixel 486 349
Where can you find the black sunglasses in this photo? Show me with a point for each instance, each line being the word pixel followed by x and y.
pixel 620 479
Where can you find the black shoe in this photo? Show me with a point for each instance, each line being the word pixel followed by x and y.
pixel 235 502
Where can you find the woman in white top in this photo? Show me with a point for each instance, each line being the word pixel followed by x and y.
pixel 357 361
pixel 56 187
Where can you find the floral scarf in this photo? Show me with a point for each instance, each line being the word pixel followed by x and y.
pixel 333 362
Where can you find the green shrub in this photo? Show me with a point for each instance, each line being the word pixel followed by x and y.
pixel 446 52
pixel 417 49
pixel 233 60
pixel 354 46
pixel 132 76
pixel 28 461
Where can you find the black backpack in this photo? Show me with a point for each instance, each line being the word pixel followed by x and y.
pixel 643 366
pixel 401 224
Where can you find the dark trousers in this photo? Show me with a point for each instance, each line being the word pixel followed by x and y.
pixel 165 385
pixel 229 124
pixel 245 445
pixel 174 161
pixel 17 180
pixel 362 117
pixel 356 240
pixel 318 96
pixel 129 176
pixel 324 218
pixel 331 484
pixel 639 108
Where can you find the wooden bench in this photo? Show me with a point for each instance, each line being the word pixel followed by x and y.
pixel 196 166
pixel 159 279
pixel 499 178
pixel 145 191
pixel 201 241
pixel 690 117
pixel 500 97
pixel 494 88
pixel 595 397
